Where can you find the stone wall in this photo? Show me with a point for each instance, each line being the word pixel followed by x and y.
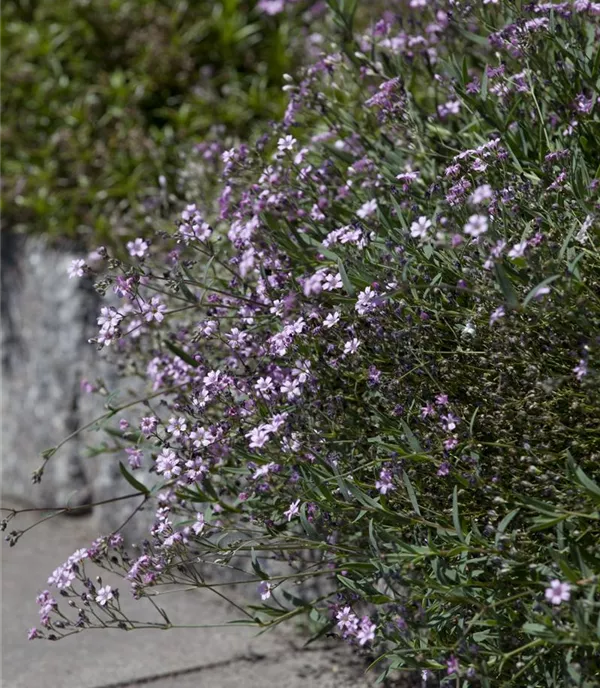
pixel 47 320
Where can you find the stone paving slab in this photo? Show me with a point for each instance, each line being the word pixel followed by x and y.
pixel 217 657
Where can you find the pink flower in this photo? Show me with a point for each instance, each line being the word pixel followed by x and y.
pixel 366 632
pixel 558 592
pixel 347 620
pixel 154 310
pixel 138 248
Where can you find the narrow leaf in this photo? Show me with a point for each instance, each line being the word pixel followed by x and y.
pixel 136 484
pixel 411 492
pixel 455 515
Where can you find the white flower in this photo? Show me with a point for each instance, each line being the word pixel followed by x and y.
pixel 518 250
pixel 286 143
pixel 331 320
pixel 582 235
pixel 482 193
pixel 351 347
pixel 333 282
pixel 366 301
pixel 367 209
pixel 420 227
pixel 476 226
pixel 294 510
pixel 468 330
pixel 77 268
pixel 104 595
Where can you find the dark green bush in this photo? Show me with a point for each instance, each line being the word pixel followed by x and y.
pixel 97 97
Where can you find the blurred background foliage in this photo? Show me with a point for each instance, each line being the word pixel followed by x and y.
pixel 99 96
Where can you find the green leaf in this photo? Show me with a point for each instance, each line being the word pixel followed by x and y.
pixel 413 442
pixel 505 522
pixel 506 286
pixel 538 630
pixel 484 84
pixel 182 354
pixel 534 291
pixel 346 282
pixel 587 483
pixel 309 529
pixel 136 484
pixel 455 515
pixel 256 565
pixel 411 492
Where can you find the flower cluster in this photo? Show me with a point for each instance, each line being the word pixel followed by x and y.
pixel 380 360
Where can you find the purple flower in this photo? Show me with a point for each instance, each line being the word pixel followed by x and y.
pixel 581 369
pixel 366 301
pixel 497 314
pixel 134 457
pixel 366 631
pixel 264 590
pixel 271 7
pixel 384 484
pixel 558 592
pixel 148 425
pixel 154 310
pixel 347 621
pixel 452 665
pixel 444 469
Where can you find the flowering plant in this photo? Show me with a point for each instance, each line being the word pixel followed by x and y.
pixel 380 359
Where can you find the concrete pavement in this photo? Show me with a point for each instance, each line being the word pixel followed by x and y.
pixel 231 657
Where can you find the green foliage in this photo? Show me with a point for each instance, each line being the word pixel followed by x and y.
pixel 98 96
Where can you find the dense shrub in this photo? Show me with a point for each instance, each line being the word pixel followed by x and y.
pixel 97 96
pixel 384 350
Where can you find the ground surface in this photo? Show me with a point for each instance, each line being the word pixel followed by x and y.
pixel 231 657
